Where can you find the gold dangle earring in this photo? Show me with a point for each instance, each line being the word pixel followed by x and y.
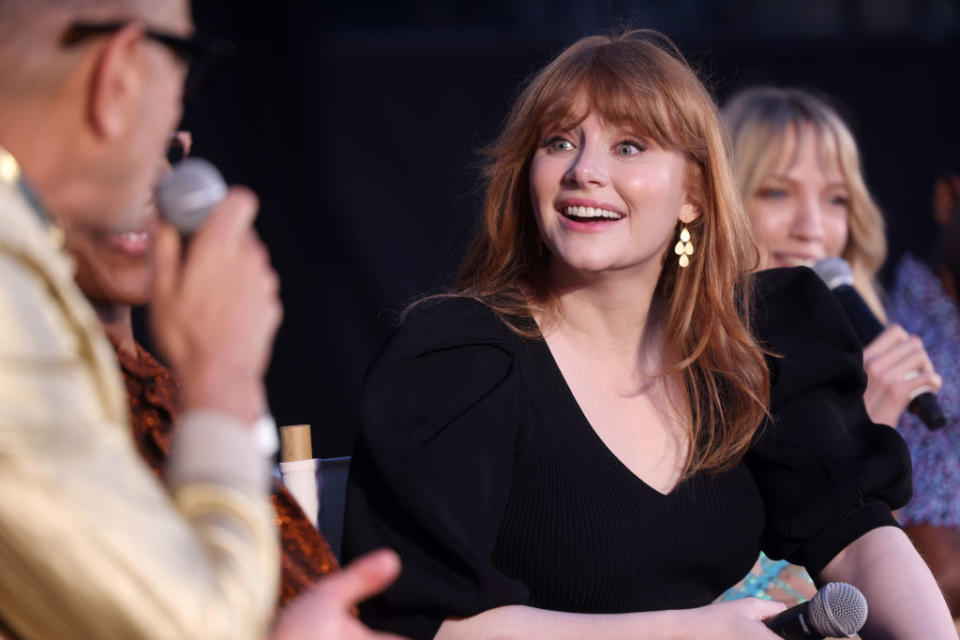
pixel 684 247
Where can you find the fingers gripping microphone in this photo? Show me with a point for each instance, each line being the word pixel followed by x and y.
pixel 838 276
pixel 186 197
pixel 838 610
pixel 188 193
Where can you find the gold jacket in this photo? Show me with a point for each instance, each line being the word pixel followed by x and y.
pixel 91 544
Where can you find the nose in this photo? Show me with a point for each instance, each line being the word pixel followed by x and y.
pixel 588 169
pixel 808 220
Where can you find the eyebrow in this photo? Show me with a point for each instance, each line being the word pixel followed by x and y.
pixel 782 178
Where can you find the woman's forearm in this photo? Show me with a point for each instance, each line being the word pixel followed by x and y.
pixel 740 620
pixel 519 622
pixel 902 597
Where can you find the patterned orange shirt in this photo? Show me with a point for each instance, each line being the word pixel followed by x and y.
pixel 152 392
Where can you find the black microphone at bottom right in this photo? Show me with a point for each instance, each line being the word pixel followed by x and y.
pixel 838 610
pixel 838 276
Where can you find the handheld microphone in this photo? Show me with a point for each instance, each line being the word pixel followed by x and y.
pixel 188 194
pixel 186 197
pixel 838 610
pixel 838 276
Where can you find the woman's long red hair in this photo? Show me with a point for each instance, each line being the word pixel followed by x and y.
pixel 640 81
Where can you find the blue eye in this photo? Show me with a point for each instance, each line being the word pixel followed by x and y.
pixel 771 193
pixel 559 144
pixel 840 201
pixel 629 148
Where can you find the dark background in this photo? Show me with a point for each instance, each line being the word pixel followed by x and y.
pixel 358 125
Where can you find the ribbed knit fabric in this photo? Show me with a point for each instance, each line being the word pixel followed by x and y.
pixel 573 500
pixel 476 464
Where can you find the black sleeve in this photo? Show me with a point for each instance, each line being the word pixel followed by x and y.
pixel 432 467
pixel 827 473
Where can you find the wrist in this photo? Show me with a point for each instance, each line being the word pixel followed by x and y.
pixel 240 396
pixel 678 624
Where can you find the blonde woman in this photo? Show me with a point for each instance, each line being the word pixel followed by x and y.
pixel 798 170
pixel 570 445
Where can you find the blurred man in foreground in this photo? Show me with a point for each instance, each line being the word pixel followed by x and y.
pixel 91 545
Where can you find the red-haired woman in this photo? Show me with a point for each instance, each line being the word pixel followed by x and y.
pixel 577 442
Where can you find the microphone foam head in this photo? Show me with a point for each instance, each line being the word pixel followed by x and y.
pixel 834 272
pixel 838 610
pixel 189 192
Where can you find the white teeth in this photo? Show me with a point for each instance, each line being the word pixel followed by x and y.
pixel 134 236
pixel 592 212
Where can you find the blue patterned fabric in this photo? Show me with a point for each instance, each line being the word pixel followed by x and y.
pixel 921 305
pixel 765 580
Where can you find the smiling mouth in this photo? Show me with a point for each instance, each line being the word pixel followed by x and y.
pixel 131 242
pixel 590 214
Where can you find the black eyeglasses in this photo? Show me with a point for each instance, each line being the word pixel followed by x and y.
pixel 178 148
pixel 199 52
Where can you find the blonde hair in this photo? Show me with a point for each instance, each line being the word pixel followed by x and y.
pixel 638 80
pixel 760 120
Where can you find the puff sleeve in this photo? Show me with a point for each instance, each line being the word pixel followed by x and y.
pixel 432 466
pixel 827 474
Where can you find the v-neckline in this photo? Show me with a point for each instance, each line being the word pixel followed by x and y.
pixel 546 355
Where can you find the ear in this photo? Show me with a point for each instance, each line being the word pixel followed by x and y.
pixel 116 83
pixel 688 213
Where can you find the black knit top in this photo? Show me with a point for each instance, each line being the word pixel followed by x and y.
pixel 476 464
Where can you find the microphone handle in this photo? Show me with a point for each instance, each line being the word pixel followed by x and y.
pixel 860 315
pixel 925 405
pixel 793 624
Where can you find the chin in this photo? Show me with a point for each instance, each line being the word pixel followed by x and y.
pixel 135 294
pixel 129 291
pixel 594 267
pixel 587 263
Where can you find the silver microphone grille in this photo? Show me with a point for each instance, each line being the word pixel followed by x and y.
pixel 189 192
pixel 838 610
pixel 834 272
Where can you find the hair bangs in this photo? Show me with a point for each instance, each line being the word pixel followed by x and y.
pixel 761 120
pixel 595 81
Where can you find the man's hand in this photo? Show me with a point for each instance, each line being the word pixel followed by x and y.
pixel 215 311
pixel 323 613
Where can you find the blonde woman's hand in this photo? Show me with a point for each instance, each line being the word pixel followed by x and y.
pixel 898 369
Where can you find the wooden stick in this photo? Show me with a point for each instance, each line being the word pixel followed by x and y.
pixel 295 443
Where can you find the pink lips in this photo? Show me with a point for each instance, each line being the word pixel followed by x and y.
pixel 596 225
pixel 133 243
pixel 586 227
